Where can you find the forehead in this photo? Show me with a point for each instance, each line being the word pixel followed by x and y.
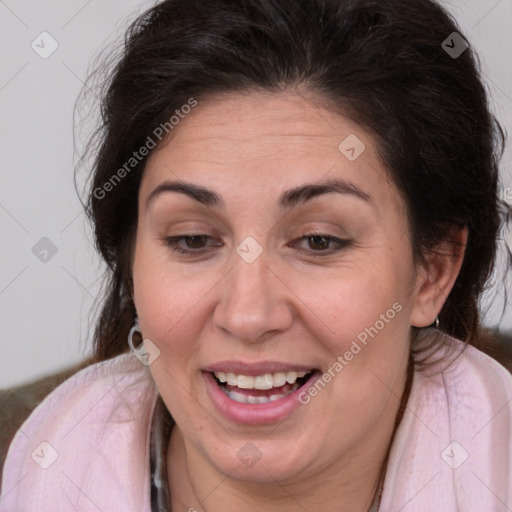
pixel 253 121
pixel 261 142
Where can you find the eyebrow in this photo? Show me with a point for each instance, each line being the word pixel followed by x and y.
pixel 288 199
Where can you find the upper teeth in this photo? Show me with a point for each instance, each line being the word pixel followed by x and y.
pixel 266 381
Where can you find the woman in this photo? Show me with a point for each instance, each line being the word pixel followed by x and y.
pixel 297 202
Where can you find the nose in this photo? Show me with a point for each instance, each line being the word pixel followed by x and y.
pixel 254 301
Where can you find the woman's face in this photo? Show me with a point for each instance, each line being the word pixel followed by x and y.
pixel 248 269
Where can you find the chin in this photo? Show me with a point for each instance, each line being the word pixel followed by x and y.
pixel 262 462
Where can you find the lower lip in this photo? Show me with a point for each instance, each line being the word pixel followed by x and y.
pixel 254 414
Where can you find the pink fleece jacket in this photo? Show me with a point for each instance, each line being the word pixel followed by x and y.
pixel 86 446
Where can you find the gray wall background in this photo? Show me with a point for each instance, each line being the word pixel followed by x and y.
pixel 49 272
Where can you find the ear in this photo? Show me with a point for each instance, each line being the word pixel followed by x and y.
pixel 436 276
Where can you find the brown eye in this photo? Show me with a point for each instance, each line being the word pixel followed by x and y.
pixel 196 241
pixel 191 244
pixel 318 242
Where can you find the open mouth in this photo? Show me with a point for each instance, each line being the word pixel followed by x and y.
pixel 261 389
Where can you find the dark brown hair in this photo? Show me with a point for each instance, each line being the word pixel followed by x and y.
pixel 381 61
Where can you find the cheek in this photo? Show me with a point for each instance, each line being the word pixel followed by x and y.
pixel 171 315
pixel 356 301
pixel 169 305
pixel 366 319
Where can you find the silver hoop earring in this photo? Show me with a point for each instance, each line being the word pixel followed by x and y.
pixel 133 330
pixel 436 323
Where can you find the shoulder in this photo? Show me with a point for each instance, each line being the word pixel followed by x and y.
pixel 466 391
pixel 90 390
pixel 462 372
pixel 100 417
pixel 453 449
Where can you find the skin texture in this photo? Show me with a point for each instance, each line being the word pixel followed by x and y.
pixel 288 305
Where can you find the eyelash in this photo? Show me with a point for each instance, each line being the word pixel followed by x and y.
pixel 172 243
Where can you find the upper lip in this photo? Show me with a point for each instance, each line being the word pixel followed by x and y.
pixel 261 368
